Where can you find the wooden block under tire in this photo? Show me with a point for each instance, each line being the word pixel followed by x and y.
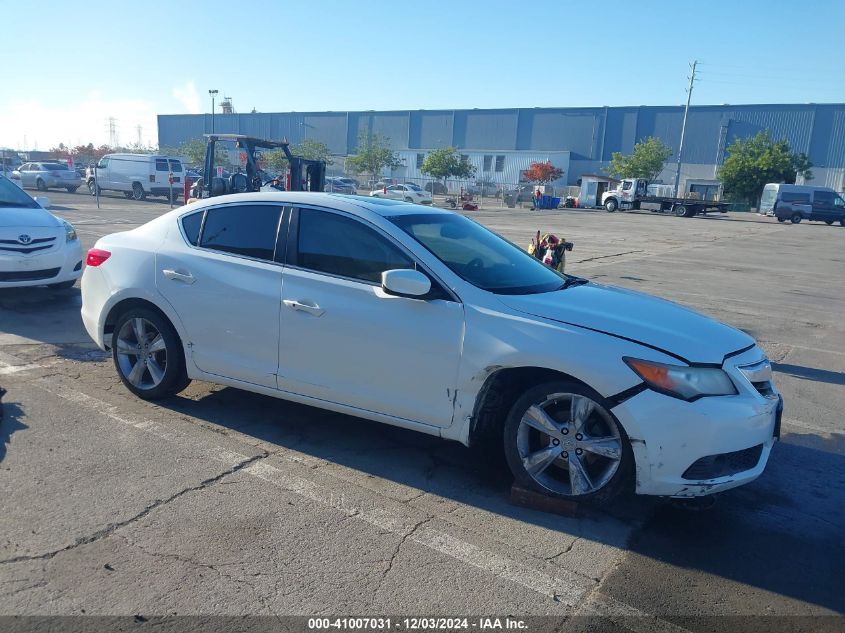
pixel 545 503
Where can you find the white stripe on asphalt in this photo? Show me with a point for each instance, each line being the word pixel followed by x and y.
pixel 565 587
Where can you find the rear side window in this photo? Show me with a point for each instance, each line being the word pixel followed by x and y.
pixel 242 229
pixel 824 197
pixel 795 196
pixel 191 225
pixel 161 164
pixel 175 166
pixel 330 243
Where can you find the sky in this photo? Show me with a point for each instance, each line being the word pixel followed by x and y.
pixel 69 67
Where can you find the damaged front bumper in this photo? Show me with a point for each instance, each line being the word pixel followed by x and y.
pixel 690 449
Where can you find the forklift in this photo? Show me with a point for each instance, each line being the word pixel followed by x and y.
pixel 304 174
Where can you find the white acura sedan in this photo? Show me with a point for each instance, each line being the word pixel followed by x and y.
pixel 424 319
pixel 36 247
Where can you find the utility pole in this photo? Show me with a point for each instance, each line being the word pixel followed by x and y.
pixel 212 93
pixel 140 129
pixel 684 129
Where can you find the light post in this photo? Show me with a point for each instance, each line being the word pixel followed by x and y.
pixel 212 93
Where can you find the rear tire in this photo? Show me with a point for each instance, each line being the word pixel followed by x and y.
pixel 841 221
pixel 781 219
pixel 138 192
pixel 796 218
pixel 142 335
pixel 591 445
pixel 40 185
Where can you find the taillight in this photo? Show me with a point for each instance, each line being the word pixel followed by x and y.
pixel 96 257
pixel 152 177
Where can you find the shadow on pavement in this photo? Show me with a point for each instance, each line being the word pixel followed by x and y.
pixel 767 535
pixel 810 373
pixel 9 423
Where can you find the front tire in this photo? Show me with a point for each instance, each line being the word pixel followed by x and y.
pixel 560 439
pixel 138 192
pixel 796 218
pixel 611 205
pixel 828 222
pixel 148 355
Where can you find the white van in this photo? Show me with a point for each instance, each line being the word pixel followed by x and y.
pixel 138 175
pixel 802 202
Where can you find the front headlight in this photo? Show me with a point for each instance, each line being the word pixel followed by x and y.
pixel 70 232
pixel 678 381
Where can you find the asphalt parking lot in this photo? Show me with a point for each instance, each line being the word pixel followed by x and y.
pixel 220 501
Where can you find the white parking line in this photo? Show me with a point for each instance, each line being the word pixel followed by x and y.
pixel 567 588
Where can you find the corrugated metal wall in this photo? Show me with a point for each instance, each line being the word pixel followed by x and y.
pixel 591 135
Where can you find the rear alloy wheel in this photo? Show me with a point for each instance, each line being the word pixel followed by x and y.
pixel 147 354
pixel 561 440
pixel 40 185
pixel 796 218
pixel 680 210
pixel 138 191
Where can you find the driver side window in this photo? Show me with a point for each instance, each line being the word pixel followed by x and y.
pixel 333 244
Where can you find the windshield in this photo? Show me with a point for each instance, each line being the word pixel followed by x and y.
pixel 478 255
pixel 12 196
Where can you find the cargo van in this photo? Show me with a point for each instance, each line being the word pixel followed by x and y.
pixel 802 202
pixel 137 175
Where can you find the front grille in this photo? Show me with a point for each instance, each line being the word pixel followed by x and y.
pixel 25 250
pixel 724 464
pixel 29 275
pixel 35 245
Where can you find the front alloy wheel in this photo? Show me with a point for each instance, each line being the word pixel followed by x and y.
pixel 147 355
pixel 561 440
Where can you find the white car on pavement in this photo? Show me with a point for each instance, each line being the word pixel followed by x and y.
pixel 409 192
pixel 36 247
pixel 424 319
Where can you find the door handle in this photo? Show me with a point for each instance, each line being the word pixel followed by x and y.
pixel 293 304
pixel 187 278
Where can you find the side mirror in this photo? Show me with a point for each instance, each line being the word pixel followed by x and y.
pixel 43 202
pixel 405 283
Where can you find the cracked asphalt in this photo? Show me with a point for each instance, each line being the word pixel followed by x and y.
pixel 222 502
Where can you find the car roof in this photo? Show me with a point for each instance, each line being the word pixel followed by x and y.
pixel 353 204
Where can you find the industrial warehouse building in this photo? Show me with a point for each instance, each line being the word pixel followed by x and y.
pixel 503 142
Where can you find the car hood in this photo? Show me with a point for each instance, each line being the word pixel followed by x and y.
pixel 635 316
pixel 22 217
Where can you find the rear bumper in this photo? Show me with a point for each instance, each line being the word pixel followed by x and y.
pixel 56 267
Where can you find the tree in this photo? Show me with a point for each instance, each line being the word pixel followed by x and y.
pixel 374 154
pixel 447 162
pixel 313 150
pixel 309 148
pixel 756 161
pixel 646 161
pixel 542 173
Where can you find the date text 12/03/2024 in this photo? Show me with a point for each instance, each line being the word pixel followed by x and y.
pixel 416 624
